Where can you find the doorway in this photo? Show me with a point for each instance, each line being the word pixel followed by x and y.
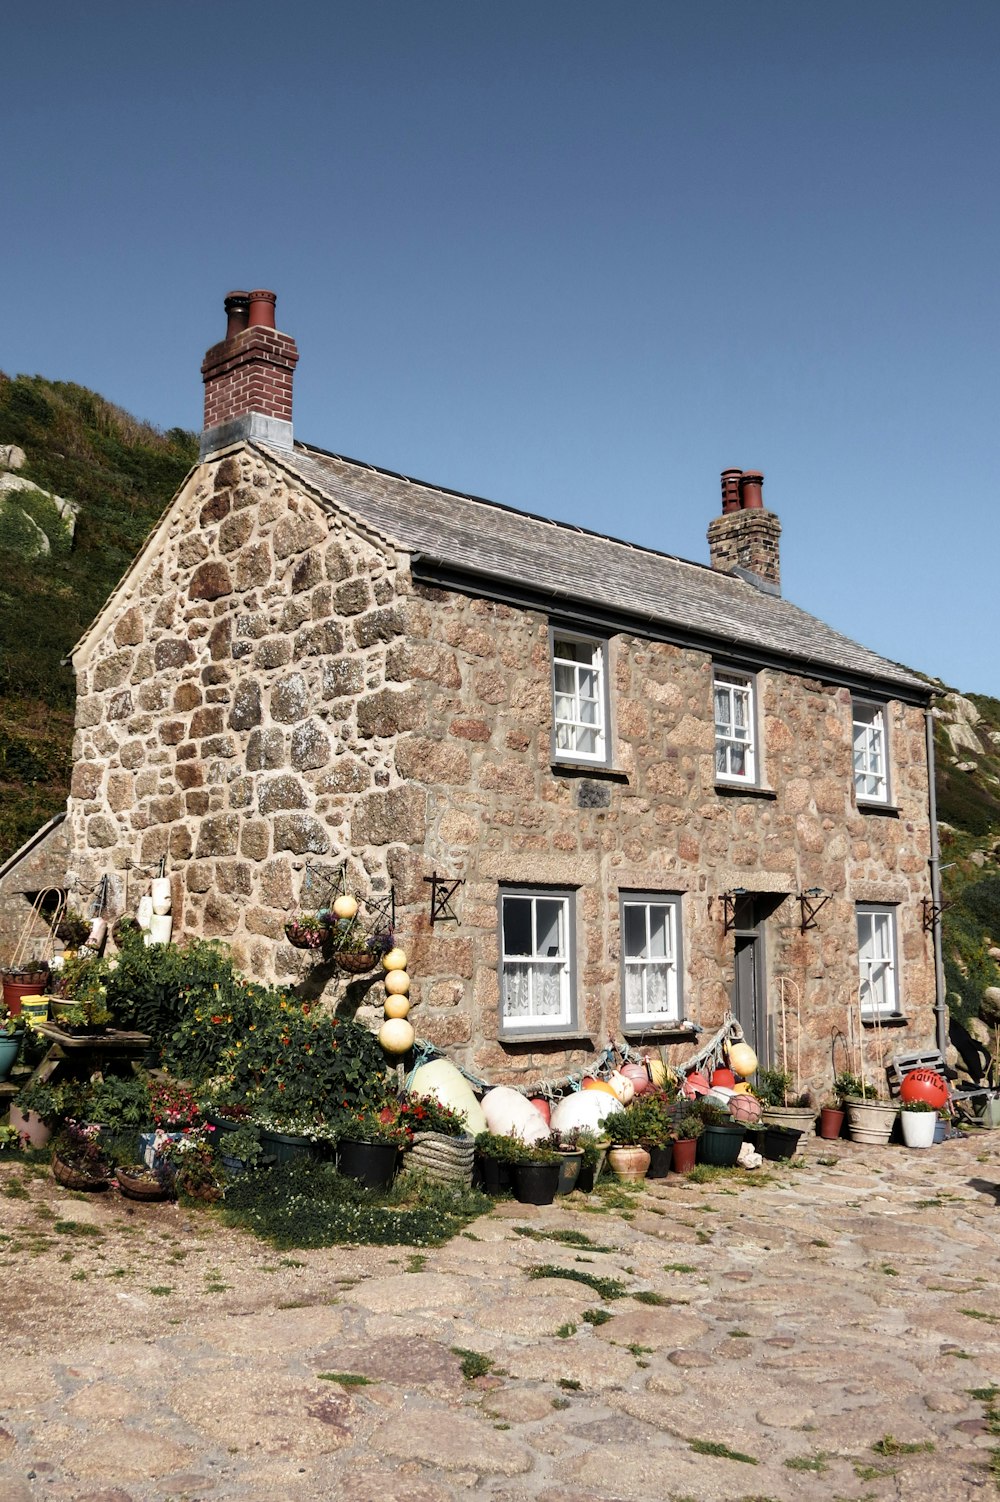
pixel 749 995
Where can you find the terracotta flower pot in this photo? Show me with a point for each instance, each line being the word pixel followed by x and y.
pixel 629 1163
pixel 685 1154
pixel 831 1123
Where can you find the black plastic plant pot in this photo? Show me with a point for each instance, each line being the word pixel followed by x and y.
pixel 536 1183
pixel 720 1145
pixel 660 1160
pixel 780 1143
pixel 372 1164
pixel 494 1175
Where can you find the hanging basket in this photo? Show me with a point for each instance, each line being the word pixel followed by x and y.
pixel 73 1178
pixel 357 962
pixel 301 936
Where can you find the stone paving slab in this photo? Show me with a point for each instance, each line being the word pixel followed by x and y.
pixel 811 1335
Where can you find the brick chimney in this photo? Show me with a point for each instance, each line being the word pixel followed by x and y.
pixel 248 377
pixel 744 539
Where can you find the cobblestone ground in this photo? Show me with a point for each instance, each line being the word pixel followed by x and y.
pixel 823 1332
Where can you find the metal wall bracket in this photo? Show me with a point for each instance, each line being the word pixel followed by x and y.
pixel 811 903
pixel 932 912
pixel 443 889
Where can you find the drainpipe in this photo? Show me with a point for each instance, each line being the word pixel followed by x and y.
pixel 940 998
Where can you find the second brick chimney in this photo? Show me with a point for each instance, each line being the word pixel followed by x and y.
pixel 248 377
pixel 744 539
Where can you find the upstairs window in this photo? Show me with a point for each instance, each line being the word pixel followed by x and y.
pixel 579 698
pixel 735 756
pixel 877 960
pixel 536 971
pixel 871 763
pixel 650 969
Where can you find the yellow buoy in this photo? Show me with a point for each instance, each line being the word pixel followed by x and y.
pixel 397 1006
pixel 345 906
pixel 394 960
pixel 742 1059
pixel 657 1071
pixel 396 1035
pixel 397 983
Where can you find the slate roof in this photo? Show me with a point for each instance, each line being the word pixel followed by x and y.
pixel 558 562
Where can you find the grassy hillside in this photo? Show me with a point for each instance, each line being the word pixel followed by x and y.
pixel 121 473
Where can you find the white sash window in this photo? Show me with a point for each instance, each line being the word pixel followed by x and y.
pixel 536 970
pixel 877 960
pixel 735 760
pixel 871 767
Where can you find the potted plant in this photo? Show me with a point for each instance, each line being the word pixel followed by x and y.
pixel 29 979
pixel 78 1159
pixel 536 1175
pixel 356 951
pixel 496 1155
pixel 783 1108
pixel 831 1119
pixel 595 1151
pixel 721 1137
pixel 138 1182
pixel 627 1157
pixel 11 1038
pixel 188 1162
pixel 685 1133
pixel 869 1118
pixel 369 1149
pixel 35 1110
pixel 439 1144
pixel 918 1119
pixel 240 1148
pixel 310 930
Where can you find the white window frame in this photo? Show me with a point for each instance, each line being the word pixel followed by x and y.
pixel 534 1021
pixel 728 735
pixel 871 758
pixel 574 726
pixel 877 949
pixel 643 965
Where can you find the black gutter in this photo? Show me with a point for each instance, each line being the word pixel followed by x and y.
pixel 940 995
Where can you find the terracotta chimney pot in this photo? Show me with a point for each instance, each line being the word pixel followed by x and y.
pixel 262 309
pixel 238 313
pixel 730 490
pixel 751 485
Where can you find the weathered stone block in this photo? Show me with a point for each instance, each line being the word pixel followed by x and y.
pixel 166 810
pixel 255 841
pixel 215 508
pixel 86 780
pixel 218 745
pixel 294 534
pixel 235 531
pixel 152 696
pixel 181 846
pixel 112 671
pixel 470 730
pixel 273 652
pixel 323 639
pixel 265 749
pixel 345 776
pixel 397 815
pixel 235 878
pixel 353 597
pixel 337 561
pixel 276 885
pixel 129 630
pixel 388 712
pixel 310 747
pixel 219 836
pixel 191 550
pixel 253 566
pixel 228 473
pixel 301 834
pixel 290 699
pixel 120 706
pixel 171 652
pixel 207 721
pixel 246 710
pixel 275 793
pixel 241 792
pixel 342 678
pixel 221 916
pixel 380 626
pixel 307 573
pixel 432 761
pixel 121 791
pixel 189 774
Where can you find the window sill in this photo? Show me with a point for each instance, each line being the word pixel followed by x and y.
pixel 675 1032
pixel 744 790
pixel 891 1019
pixel 872 806
pixel 588 769
pixel 570 1036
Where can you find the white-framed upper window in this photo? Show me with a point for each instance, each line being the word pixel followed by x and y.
pixel 651 986
pixel 879 979
pixel 871 752
pixel 735 752
pixel 579 697
pixel 536 960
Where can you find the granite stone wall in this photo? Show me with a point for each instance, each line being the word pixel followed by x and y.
pixel 271 690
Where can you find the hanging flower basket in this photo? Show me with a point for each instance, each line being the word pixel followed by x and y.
pixel 307 931
pixel 357 962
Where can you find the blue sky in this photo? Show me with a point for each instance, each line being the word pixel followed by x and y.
pixel 575 257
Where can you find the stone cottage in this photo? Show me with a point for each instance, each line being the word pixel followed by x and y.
pixel 661 790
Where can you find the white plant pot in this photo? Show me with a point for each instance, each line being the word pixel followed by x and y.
pixel 918 1127
pixel 160 893
pixel 871 1121
pixel 144 912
